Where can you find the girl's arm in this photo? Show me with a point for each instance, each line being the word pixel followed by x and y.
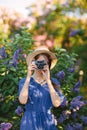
pixel 56 100
pixel 23 97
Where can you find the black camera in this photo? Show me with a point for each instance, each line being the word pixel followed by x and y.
pixel 40 64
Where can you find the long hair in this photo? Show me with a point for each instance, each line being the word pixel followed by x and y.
pixel 49 63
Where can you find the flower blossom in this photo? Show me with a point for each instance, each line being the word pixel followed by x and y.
pixel 14 60
pixel 76 87
pixel 19 110
pixel 61 74
pixel 77 103
pixel 2 53
pixel 73 33
pixel 84 119
pixel 62 117
pixel 75 126
pixel 6 126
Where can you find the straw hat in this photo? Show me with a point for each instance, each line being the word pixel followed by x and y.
pixel 39 50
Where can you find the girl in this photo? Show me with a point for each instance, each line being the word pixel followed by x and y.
pixel 39 92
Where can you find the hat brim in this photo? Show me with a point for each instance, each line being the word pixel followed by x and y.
pixel 34 53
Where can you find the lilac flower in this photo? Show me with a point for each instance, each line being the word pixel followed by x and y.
pixel 6 126
pixel 62 117
pixel 73 33
pixel 61 74
pixel 75 126
pixel 69 127
pixel 76 87
pixel 74 115
pixel 77 98
pixel 24 55
pixel 84 119
pixel 19 110
pixel 3 53
pixel 14 61
pixel 63 104
pixel 2 125
pixel 16 53
pixel 71 70
pixel 76 103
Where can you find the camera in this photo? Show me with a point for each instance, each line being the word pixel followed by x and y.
pixel 40 64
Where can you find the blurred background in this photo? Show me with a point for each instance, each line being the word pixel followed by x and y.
pixel 53 23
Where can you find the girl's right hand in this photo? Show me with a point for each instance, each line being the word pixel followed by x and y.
pixel 31 68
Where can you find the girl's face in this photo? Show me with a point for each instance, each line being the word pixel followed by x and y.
pixel 43 57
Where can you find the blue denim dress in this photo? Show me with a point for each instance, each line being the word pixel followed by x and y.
pixel 37 115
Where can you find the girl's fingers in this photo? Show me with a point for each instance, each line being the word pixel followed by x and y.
pixel 45 65
pixel 42 72
pixel 45 68
pixel 33 68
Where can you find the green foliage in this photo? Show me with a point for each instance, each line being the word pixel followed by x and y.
pixel 65 62
pixel 13 67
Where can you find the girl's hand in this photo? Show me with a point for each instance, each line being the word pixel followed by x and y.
pixel 31 68
pixel 46 72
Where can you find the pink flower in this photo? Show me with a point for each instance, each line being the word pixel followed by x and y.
pixel 50 43
pixel 24 55
pixel 6 126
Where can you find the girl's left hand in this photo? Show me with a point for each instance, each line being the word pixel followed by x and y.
pixel 46 72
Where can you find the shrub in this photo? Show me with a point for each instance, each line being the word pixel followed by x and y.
pixel 71 113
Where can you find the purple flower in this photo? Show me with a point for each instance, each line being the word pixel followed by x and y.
pixel 14 61
pixel 75 126
pixel 2 125
pixel 19 110
pixel 76 87
pixel 77 98
pixel 61 74
pixel 24 55
pixel 63 104
pixel 71 70
pixel 3 53
pixel 69 127
pixel 16 53
pixel 62 117
pixel 73 33
pixel 84 119
pixel 76 103
pixel 6 126
pixel 74 115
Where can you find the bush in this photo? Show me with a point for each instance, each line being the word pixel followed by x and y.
pixel 71 113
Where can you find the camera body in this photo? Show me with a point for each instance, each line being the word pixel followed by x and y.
pixel 40 64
